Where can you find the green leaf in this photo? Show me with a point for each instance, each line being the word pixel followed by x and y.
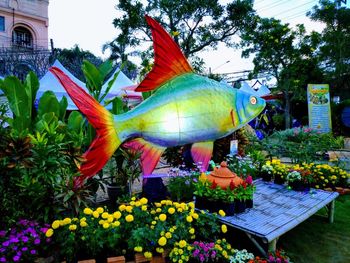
pixel 94 81
pixel 48 103
pixel 75 121
pixel 63 108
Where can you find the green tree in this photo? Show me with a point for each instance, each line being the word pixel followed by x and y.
pixel 334 51
pixel 73 59
pixel 285 53
pixel 195 25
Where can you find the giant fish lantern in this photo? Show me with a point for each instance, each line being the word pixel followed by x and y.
pixel 185 108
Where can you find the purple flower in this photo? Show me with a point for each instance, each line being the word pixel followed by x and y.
pixel 15 248
pixel 271 258
pixel 33 252
pixel 196 252
pixel 2 250
pixel 36 241
pixel 25 239
pixel 278 260
pixel 201 258
pixel 213 254
pixel 2 233
pixel 6 243
pixel 24 249
pixel 14 240
pixel 16 258
pixel 195 180
pixel 2 259
pixel 44 229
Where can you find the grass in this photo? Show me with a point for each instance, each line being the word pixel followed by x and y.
pixel 315 240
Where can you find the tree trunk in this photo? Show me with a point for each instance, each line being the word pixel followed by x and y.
pixel 287 110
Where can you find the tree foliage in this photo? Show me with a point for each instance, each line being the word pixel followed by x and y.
pixel 195 25
pixel 285 53
pixel 334 51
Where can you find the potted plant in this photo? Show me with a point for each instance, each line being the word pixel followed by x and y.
pixel 266 172
pixel 124 169
pixel 299 180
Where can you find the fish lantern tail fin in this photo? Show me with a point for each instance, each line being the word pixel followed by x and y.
pixel 106 140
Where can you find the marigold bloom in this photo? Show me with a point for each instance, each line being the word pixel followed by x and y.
pixel 162 217
pixel 143 201
pixel 104 215
pixel 95 214
pixel 168 235
pixel 87 211
pixel 117 214
pixel 171 210
pixel 223 228
pixel 67 221
pixel 122 207
pixel 144 208
pixel 100 210
pixel 106 225
pixel 55 224
pixel 159 249
pixel 138 249
pixel 162 241
pixel 182 243
pixel 191 231
pixel 72 227
pixel 147 254
pixel 222 213
pixel 189 219
pixel 195 215
pixel 49 232
pixel 129 218
pixel 83 224
pixel 128 209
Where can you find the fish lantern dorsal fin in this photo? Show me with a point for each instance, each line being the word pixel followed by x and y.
pixel 169 61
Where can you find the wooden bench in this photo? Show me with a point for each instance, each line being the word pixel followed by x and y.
pixel 277 210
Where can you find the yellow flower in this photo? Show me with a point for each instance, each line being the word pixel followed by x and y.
pixel 191 231
pixel 159 249
pixel 203 178
pixel 117 214
pixel 55 224
pixel 87 211
pixel 189 219
pixel 95 214
pixel 100 210
pixel 128 209
pixel 137 203
pixel 116 224
pixel 143 201
pixel 83 224
pixel 158 204
pixel 49 232
pixel 138 249
pixel 223 228
pixel 104 215
pixel 162 217
pixel 182 243
pixel 154 222
pixel 144 208
pixel 195 215
pixel 110 219
pixel 158 210
pixel 129 218
pixel 162 241
pixel 169 202
pixel 171 230
pixel 171 210
pixel 168 235
pixel 106 225
pixel 101 222
pixel 122 207
pixel 72 227
pixel 66 221
pixel 191 205
pixel 147 254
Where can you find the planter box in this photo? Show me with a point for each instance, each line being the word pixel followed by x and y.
pixel 214 206
pixel 140 258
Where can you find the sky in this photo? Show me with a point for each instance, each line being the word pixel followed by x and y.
pixel 88 23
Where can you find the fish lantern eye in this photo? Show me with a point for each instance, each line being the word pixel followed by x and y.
pixel 253 100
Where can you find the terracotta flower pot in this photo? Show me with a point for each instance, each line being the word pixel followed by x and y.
pixel 223 177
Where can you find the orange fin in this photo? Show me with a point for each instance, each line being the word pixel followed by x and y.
pixel 169 61
pixel 106 140
pixel 201 153
pixel 150 153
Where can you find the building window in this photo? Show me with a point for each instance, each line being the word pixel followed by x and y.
pixel 2 23
pixel 22 37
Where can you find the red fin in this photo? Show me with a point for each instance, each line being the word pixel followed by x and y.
pixel 201 152
pixel 106 140
pixel 150 153
pixel 169 60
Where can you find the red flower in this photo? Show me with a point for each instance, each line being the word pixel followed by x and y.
pixel 232 185
pixel 213 185
pixel 249 179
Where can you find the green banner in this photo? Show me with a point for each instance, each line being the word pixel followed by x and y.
pixel 319 107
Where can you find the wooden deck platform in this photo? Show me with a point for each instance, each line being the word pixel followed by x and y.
pixel 277 210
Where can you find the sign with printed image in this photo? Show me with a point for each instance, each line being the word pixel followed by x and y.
pixel 318 99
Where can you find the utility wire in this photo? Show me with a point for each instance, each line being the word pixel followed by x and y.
pixel 291 9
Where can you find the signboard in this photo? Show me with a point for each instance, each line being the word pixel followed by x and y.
pixel 319 107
